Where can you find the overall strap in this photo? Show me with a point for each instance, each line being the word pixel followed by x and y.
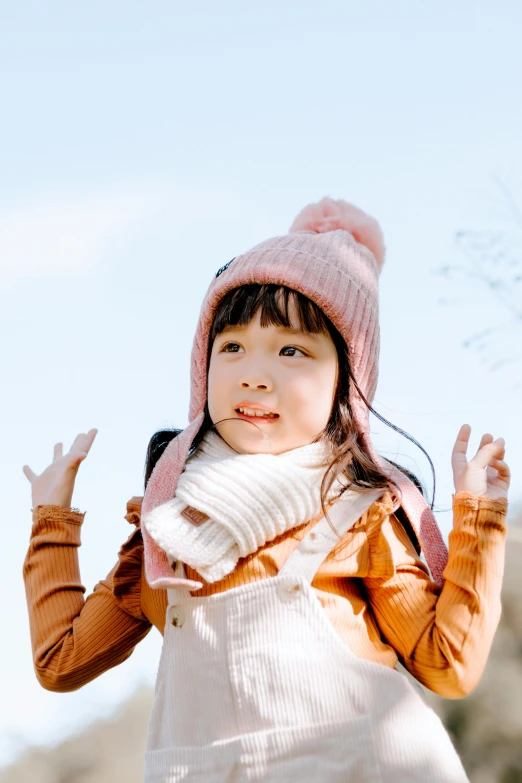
pixel 175 594
pixel 321 539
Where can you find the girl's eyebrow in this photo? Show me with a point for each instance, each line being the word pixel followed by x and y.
pixel 298 332
pixel 279 329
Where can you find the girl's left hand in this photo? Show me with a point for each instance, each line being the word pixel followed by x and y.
pixel 486 474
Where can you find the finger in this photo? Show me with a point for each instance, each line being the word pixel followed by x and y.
pixel 461 444
pixel 501 467
pixel 87 441
pixel 458 455
pixel 487 453
pixel 77 441
pixel 57 451
pixel 76 458
pixel 83 441
pixel 29 473
pixel 486 438
pixel 91 435
pixel 501 448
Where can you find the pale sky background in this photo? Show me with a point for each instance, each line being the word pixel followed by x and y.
pixel 143 145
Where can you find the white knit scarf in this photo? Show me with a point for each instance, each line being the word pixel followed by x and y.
pixel 250 499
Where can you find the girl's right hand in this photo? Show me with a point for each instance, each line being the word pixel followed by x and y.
pixel 56 484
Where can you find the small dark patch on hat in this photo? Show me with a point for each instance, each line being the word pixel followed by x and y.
pixel 222 269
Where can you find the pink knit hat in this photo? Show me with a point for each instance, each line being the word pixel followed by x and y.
pixel 333 255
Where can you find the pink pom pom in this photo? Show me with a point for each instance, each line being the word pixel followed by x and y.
pixel 329 215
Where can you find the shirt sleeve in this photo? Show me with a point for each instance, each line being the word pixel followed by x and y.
pixel 442 636
pixel 73 639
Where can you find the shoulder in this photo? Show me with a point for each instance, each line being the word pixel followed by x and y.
pixel 126 580
pixel 133 514
pixel 378 513
pixel 391 539
pixel 385 521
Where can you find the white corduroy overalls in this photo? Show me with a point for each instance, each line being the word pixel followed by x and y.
pixel 255 684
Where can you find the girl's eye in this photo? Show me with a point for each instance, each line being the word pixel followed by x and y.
pixel 291 348
pixel 232 346
pixel 227 345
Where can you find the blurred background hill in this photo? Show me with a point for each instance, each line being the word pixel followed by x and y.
pixel 486 726
pixel 108 751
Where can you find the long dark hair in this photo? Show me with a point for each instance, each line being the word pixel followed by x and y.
pixel 349 457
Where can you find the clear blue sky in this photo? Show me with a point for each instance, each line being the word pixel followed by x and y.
pixel 142 147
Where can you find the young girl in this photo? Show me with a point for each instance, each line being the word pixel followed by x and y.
pixel 278 553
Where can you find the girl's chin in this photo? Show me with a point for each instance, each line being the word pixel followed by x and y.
pixel 254 445
pixel 255 440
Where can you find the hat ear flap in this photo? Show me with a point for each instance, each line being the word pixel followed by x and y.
pixel 160 488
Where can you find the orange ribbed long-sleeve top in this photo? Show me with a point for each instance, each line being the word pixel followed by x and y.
pixel 375 589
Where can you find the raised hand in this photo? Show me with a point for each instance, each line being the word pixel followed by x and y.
pixel 487 473
pixel 56 484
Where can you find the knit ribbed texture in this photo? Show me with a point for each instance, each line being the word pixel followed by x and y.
pixel 374 590
pixel 250 499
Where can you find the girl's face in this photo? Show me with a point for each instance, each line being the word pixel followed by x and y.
pixel 284 371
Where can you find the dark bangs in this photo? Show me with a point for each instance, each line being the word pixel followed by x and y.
pixel 239 307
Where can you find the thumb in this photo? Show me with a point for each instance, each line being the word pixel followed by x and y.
pixel 487 453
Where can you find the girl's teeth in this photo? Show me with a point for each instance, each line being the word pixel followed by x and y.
pixel 261 414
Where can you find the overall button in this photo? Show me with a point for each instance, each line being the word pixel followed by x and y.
pixel 288 591
pixel 176 615
pixel 316 542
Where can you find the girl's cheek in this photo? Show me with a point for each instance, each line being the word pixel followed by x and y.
pixel 301 391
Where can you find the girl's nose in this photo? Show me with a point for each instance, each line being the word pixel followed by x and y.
pixel 255 374
pixel 254 385
pixel 256 379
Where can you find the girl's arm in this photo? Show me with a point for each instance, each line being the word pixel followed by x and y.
pixel 443 637
pixel 73 639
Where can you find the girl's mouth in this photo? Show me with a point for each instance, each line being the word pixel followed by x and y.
pixel 265 418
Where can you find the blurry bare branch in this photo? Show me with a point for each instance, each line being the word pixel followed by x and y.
pixel 493 261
